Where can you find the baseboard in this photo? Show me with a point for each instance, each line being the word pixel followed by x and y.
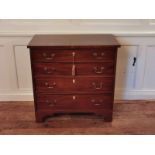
pixel 135 95
pixel 27 95
pixel 20 95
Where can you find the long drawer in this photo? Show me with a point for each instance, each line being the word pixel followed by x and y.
pixel 92 55
pixel 41 69
pixel 74 101
pixel 79 84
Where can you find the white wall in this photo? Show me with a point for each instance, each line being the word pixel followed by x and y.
pixel 137 38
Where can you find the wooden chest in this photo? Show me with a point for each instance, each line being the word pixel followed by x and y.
pixel 73 74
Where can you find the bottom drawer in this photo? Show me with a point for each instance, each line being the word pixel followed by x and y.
pixel 74 101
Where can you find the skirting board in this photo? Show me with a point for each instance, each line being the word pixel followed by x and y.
pixel 123 95
pixel 16 95
pixel 135 95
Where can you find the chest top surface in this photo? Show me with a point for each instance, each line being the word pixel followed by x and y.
pixel 71 40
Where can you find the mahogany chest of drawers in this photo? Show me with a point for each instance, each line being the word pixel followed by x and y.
pixel 73 74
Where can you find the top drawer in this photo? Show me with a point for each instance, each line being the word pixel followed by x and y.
pixel 92 55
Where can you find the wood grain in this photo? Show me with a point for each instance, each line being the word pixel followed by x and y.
pixel 73 40
pixel 129 117
pixel 93 48
pixel 87 84
pixel 48 54
pixel 56 69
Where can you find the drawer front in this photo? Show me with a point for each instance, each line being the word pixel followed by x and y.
pixel 51 55
pixel 79 84
pixel 103 68
pixel 94 55
pixel 75 101
pixel 100 68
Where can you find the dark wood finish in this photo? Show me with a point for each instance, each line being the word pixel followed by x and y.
pixel 73 74
pixel 70 40
pixel 89 55
pixel 56 69
pixel 43 114
pixel 74 101
pixel 82 84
